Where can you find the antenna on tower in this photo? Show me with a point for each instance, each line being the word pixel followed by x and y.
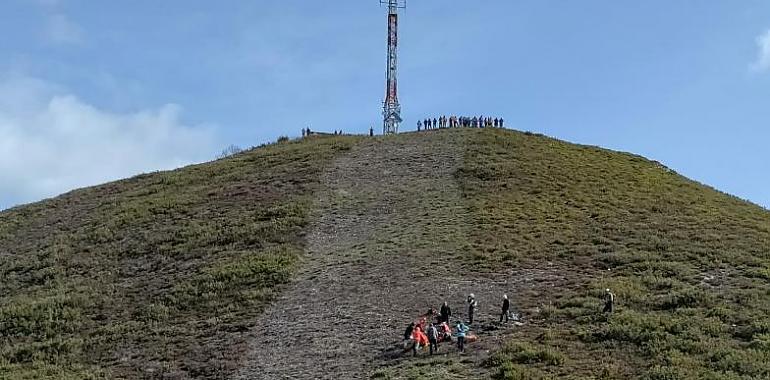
pixel 399 4
pixel 391 111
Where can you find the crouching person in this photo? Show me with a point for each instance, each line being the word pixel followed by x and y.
pixel 408 335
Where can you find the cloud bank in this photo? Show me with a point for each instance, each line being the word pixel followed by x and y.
pixel 763 59
pixel 52 142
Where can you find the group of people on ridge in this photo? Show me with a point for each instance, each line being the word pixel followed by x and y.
pixel 427 332
pixel 460 121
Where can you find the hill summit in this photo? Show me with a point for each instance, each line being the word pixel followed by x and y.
pixel 308 258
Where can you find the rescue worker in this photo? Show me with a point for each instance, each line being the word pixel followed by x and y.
pixel 462 329
pixel 472 305
pixel 420 340
pixel 609 301
pixel 506 308
pixel 445 312
pixel 445 331
pixel 433 338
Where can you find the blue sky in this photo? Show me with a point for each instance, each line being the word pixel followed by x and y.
pixel 94 91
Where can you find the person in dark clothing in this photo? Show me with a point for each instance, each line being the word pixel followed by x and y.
pixel 472 305
pixel 501 122
pixel 506 308
pixel 371 131
pixel 433 338
pixel 408 334
pixel 419 125
pixel 609 302
pixel 445 312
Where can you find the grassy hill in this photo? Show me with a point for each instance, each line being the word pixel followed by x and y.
pixel 169 275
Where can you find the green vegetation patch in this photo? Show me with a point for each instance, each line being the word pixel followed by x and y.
pixel 159 275
pixel 687 263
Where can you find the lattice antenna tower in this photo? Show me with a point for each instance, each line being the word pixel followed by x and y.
pixel 391 111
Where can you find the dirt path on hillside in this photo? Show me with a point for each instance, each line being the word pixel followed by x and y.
pixel 382 249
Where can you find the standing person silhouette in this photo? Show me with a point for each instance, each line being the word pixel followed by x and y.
pixel 506 308
pixel 472 305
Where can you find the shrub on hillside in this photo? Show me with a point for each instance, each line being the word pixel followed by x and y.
pixel 229 151
pixel 692 297
pixel 524 353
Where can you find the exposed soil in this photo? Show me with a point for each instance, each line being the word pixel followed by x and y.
pixel 384 247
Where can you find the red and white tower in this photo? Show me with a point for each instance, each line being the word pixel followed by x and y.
pixel 392 110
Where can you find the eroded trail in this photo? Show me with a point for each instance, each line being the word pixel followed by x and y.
pixel 384 247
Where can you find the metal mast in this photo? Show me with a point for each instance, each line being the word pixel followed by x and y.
pixel 392 110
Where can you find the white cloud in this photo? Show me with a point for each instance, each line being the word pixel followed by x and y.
pixel 52 142
pixel 61 30
pixel 763 59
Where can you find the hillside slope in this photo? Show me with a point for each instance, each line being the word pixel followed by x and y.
pixel 167 275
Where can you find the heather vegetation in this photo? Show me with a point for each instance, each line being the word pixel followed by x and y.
pixel 689 264
pixel 161 274
pixel 165 274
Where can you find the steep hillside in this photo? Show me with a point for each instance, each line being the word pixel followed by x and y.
pixel 690 265
pixel 158 275
pixel 307 259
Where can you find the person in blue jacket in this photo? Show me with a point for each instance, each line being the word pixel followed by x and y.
pixel 461 329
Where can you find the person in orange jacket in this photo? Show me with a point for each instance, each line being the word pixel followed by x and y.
pixel 420 339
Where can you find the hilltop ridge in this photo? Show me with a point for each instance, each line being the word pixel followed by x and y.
pixel 307 258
